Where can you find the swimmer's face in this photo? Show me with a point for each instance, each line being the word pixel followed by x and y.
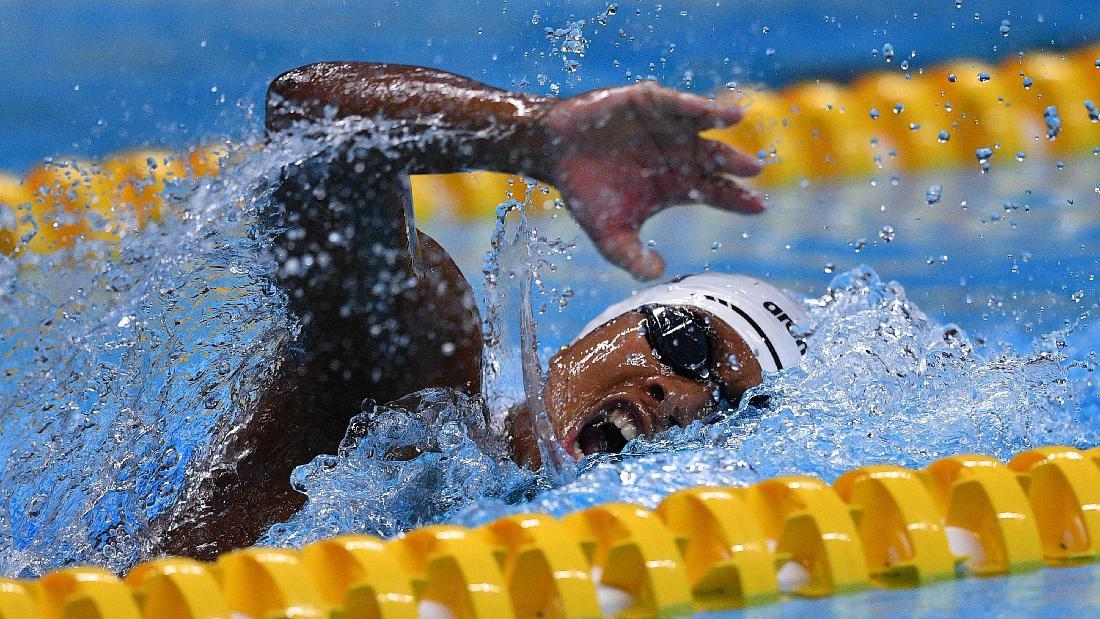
pixel 612 385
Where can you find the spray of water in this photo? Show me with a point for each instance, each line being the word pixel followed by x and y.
pixel 881 382
pixel 127 370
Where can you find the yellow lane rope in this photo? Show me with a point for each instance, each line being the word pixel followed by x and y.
pixel 702 549
pixel 923 121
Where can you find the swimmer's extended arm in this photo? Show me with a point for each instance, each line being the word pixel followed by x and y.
pixel 435 122
pixel 618 155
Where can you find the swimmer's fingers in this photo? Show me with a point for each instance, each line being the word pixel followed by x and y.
pixel 727 195
pixel 670 112
pixel 695 113
pixel 728 160
pixel 622 247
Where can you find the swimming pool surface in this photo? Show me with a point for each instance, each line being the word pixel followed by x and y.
pixel 1048 593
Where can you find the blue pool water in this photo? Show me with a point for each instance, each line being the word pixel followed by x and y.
pixel 1049 593
pixel 965 326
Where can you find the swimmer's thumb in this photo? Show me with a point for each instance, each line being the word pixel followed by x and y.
pixel 623 248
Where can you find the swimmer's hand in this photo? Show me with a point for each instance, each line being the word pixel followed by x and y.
pixel 621 155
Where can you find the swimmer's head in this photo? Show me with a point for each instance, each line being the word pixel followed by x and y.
pixel 665 357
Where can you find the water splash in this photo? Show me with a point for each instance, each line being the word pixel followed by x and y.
pixel 126 372
pixel 130 368
pixel 570 43
pixel 415 461
pixel 881 382
pixel 122 368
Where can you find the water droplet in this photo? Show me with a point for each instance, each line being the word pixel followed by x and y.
pixel 1005 27
pixel 858 245
pixel 874 113
pixel 887 233
pixel 943 137
pixel 958 4
pixel 899 108
pixel 1020 155
pixel 983 154
pixel 829 267
pixel 770 51
pixel 933 195
pixel 766 29
pixel 1094 113
pixel 1028 82
pixel 1054 122
pixel 983 76
pixel 951 77
pixel 536 18
pixel 888 52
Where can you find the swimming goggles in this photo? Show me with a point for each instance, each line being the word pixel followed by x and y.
pixel 681 339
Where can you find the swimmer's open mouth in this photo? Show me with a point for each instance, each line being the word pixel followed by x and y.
pixel 609 430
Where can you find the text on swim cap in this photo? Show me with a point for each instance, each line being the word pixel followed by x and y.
pixel 782 317
pixel 760 332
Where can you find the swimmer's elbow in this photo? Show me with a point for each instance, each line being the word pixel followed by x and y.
pixel 303 93
pixel 296 94
pixel 282 105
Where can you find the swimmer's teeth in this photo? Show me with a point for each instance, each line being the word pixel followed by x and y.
pixel 624 424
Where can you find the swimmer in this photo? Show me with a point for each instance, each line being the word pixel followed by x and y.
pixel 385 312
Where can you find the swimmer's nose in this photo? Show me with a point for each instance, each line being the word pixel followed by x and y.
pixel 676 404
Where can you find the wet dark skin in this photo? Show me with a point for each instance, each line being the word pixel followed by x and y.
pixel 614 368
pixel 384 316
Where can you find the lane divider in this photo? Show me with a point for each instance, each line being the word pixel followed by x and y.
pixel 922 121
pixel 702 549
pixel 813 131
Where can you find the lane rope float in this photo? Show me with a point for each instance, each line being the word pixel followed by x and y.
pixel 701 549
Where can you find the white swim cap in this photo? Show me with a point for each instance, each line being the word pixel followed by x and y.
pixel 760 313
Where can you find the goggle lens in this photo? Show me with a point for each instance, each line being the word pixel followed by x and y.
pixel 680 338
